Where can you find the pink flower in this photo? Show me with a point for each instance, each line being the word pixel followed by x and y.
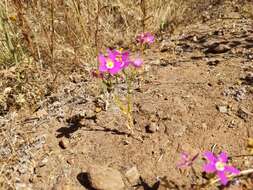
pixel 137 62
pixel 121 56
pixel 218 165
pixel 145 38
pixel 186 160
pixel 109 64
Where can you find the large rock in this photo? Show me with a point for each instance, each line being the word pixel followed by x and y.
pixel 105 178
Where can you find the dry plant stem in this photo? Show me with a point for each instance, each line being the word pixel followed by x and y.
pixel 242 173
pixel 52 32
pixel 25 27
pixel 97 26
pixel 144 14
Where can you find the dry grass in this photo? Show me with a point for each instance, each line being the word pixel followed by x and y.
pixel 44 40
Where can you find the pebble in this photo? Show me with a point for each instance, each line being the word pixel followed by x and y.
pixel 244 113
pixel 63 143
pixel 222 109
pixel 105 178
pixel 151 128
pixel 133 175
pixel 148 107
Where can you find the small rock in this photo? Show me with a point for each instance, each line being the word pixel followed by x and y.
pixel 240 94
pixel 195 38
pixel 165 46
pixel 148 107
pixel 63 143
pixel 155 62
pixel 71 161
pixel 105 178
pixel 222 109
pixel 244 113
pixel 204 126
pixel 43 162
pixel 216 48
pixel 133 175
pixel 151 128
pixel 98 109
pixel 39 142
pixel 233 124
pixel 249 79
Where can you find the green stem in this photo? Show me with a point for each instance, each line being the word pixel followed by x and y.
pixel 129 101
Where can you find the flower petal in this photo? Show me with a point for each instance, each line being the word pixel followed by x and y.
pixel 137 62
pixel 209 168
pixel 223 157
pixel 210 156
pixel 115 69
pixel 223 177
pixel 232 170
pixel 102 63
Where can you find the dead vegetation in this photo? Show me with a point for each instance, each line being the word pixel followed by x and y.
pixel 42 41
pixel 45 40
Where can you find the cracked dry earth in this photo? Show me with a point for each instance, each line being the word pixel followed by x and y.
pixel 196 95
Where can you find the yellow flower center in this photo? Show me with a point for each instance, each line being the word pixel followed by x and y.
pixel 220 166
pixel 109 64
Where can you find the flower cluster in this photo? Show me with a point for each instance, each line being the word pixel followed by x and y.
pixel 216 165
pixel 116 60
pixel 145 38
pixel 186 160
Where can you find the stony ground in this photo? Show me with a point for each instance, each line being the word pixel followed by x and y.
pixel 196 95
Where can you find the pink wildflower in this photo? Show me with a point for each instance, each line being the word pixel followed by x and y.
pixel 109 64
pixel 186 160
pixel 145 38
pixel 218 165
pixel 137 62
pixel 122 57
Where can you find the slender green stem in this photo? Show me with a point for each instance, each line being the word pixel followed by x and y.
pixel 129 102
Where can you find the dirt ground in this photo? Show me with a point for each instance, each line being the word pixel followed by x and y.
pixel 196 93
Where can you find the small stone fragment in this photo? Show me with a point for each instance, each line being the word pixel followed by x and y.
pixel 244 113
pixel 63 144
pixel 98 109
pixel 148 107
pixel 133 175
pixel 204 126
pixel 217 48
pixel 222 109
pixel 151 128
pixel 105 178
pixel 249 79
pixel 233 124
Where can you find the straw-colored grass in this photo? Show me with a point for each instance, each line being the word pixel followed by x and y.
pixel 44 40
